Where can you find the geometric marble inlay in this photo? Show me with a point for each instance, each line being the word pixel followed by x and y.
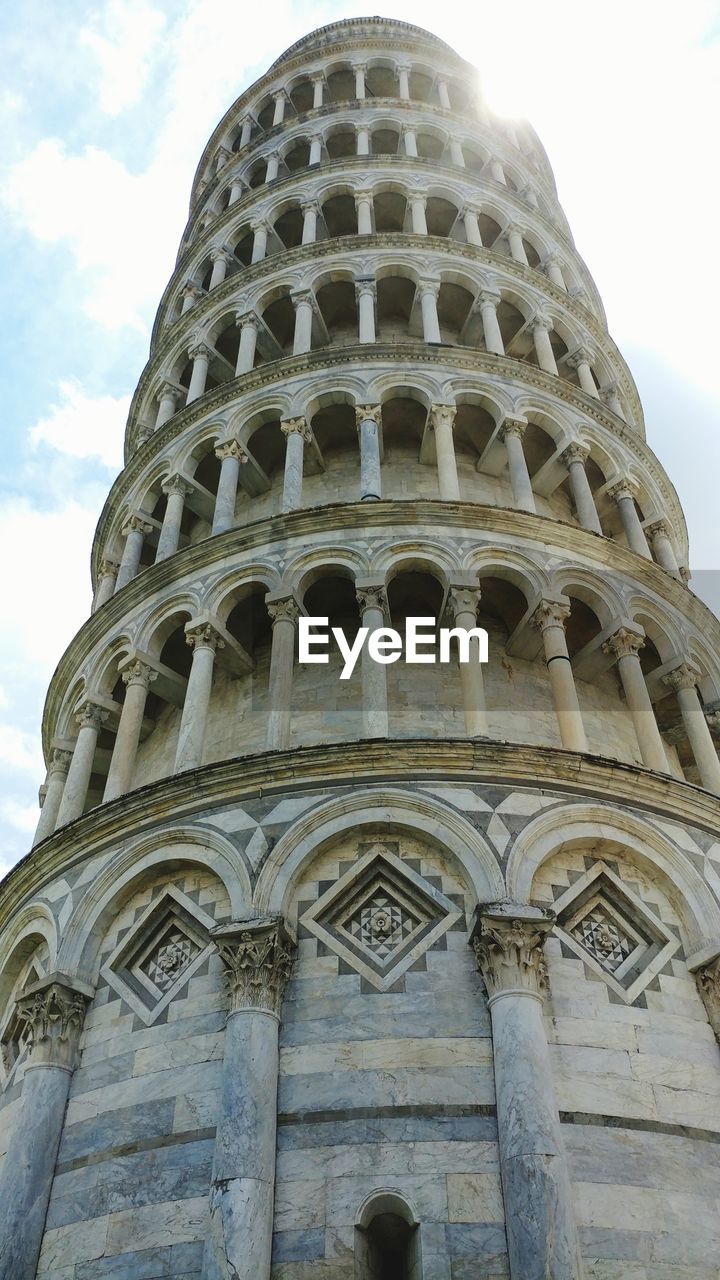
pixel 380 916
pixel 157 957
pixel 611 930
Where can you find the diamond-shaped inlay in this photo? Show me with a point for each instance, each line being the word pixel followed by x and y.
pixel 610 928
pixel 159 955
pixel 380 916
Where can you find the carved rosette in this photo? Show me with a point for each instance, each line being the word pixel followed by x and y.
pixel 258 956
pixel 54 1014
pixel 509 949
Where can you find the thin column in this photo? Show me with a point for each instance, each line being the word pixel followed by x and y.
pixel 279 112
pixel 273 165
pixel 167 398
pixel 368 419
pixel 106 585
pixel 260 239
pixel 624 495
pixel 456 154
pixel 221 158
pixel 683 682
pixel 418 202
pixel 364 206
pixel 541 329
pixel 134 533
pixel 360 69
pixel 297 434
pixel 625 645
pixel 511 434
pixel 659 535
pixel 489 303
pixel 176 490
pixel 204 640
pixel 609 396
pixel 247 322
pixel 257 956
pixel 497 172
pixel 581 360
pixel 246 132
pixel 318 84
pixel 221 259
pixel 200 356
pixel 464 603
pixel 90 719
pixel 310 216
pixel 403 74
pixel 550 617
pixel 54 1012
pixel 283 615
pixel 315 149
pixel 574 458
pixel 373 608
pixel 190 294
pixel 442 420
pixel 137 679
pixel 429 291
pixel 55 784
pixel 362 134
pixel 365 294
pixel 410 142
pixel 236 190
pixel 553 267
pixel 443 94
pixel 508 941
pixel 303 304
pixel 472 228
pixel 232 456
pixel 517 248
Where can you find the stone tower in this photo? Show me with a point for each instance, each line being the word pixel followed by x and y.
pixel 413 975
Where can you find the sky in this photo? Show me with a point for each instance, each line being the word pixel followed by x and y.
pixel 105 108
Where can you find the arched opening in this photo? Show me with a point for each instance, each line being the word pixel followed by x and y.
pixel 385 142
pixel 298 157
pixel 279 317
pixel 301 96
pixel 289 227
pixel 341 143
pixel 340 216
pixel 265 116
pixel 337 439
pixel 380 82
pixel 403 422
pixel 387 1240
pixel 489 230
pixel 453 308
pixel 338 308
pixel 420 86
pixel 244 247
pixel 440 216
pixel 341 85
pixel 395 295
pixel 256 176
pixel 389 207
pixel 429 146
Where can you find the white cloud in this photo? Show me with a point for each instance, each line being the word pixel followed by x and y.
pixel 22 817
pixel 124 47
pixel 84 426
pixel 20 751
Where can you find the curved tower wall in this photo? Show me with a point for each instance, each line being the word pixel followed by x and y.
pixel 243 1031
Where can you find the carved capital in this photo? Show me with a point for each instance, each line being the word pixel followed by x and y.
pixel 136 524
pixel 373 412
pixel 508 942
pixel 428 288
pixel 176 484
pixel 138 673
pixel 59 761
pixel 365 289
pixel 622 490
pixel 658 529
pixel 581 355
pixel 54 1013
pixel 191 290
pixel 246 317
pixel 624 643
pixel 302 297
pixel 363 193
pixel 442 415
pixel 574 453
pixel 168 391
pixel 231 449
pixel 489 298
pixel 464 600
pixel 91 715
pixel 543 322
pixel 683 677
pixel 296 426
pixel 221 253
pixel 372 598
pixel 108 568
pixel 513 427
pixel 551 613
pixel 286 610
pixel 258 957
pixel 200 351
pixel 202 635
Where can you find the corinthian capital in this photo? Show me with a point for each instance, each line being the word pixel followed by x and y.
pixel 203 635
pixel 286 610
pixel 371 411
pixel 624 643
pixel 258 956
pixel 139 673
pixel 54 1013
pixel 442 415
pixel 136 524
pixel 296 426
pixel 508 942
pixel 551 613
pixel 91 715
pixel 231 449
pixel 372 597
pixel 682 677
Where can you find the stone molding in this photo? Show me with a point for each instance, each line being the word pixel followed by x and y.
pixel 257 956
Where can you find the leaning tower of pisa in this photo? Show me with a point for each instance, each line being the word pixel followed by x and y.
pixel 414 975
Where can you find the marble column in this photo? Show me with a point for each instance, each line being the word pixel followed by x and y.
pixel 167 397
pixel 236 189
pixel 418 201
pixel 683 682
pixel 541 330
pixel 134 533
pixel 508 942
pixel 200 355
pixel 489 303
pixel 297 434
pixel 625 645
pixel 176 490
pixel 471 225
pixel 581 360
pixel 257 956
pixel 553 267
pixel 221 258
pixel 511 433
pixel 517 248
pixel 137 678
pixel 550 617
pixel 190 294
pixel 283 615
pixel 624 496
pixel 315 149
pixel 456 154
pixel 442 420
pixel 443 95
pixel 54 1012
pixel 609 396
pixel 303 304
pixel 260 239
pixel 232 456
pixel 279 112
pixel 403 70
pixel 362 134
pixel 222 157
pixel 410 142
pixel 246 132
pixel 364 206
pixel 273 166
pixel 575 457
pixel 360 68
pixel 318 85
pixel 464 603
pixel 310 213
pixel 247 322
pixel 429 290
pixel 90 719
pixel 365 293
pixel 204 641
pixel 659 535
pixel 497 172
pixel 55 783
pixel 368 418
pixel 106 585
pixel 372 600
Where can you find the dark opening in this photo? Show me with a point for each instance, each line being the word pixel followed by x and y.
pixel 389 1239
